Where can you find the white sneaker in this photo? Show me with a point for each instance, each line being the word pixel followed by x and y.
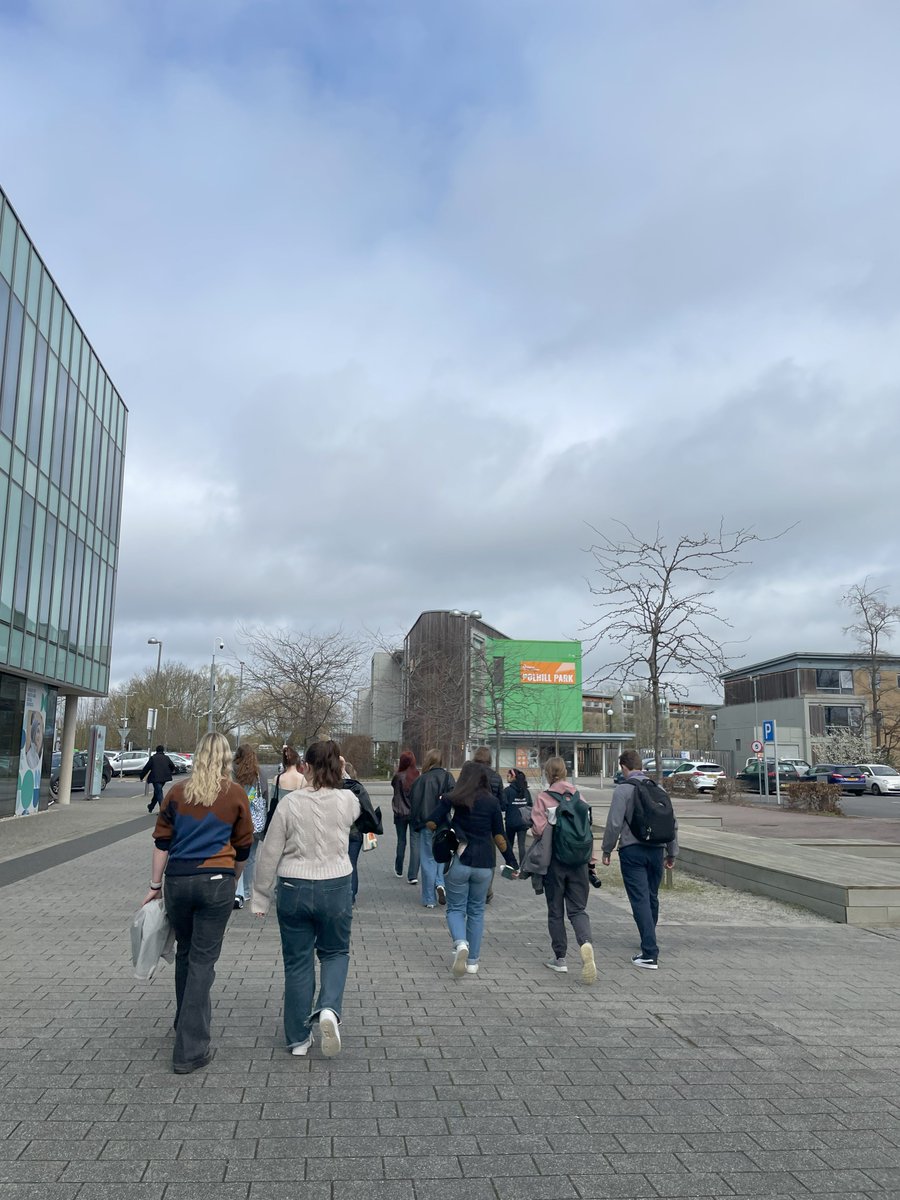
pixel 460 958
pixel 303 1048
pixel 441 894
pixel 558 964
pixel 471 968
pixel 589 967
pixel 330 1033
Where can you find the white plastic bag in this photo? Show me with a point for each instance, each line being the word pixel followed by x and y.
pixel 152 939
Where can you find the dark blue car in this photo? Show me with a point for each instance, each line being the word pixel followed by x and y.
pixel 848 778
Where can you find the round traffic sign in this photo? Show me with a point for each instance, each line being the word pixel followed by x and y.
pixel 756 746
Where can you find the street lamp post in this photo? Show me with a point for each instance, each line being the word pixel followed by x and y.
pixel 167 708
pixel 240 701
pixel 158 644
pixel 697 739
pixel 218 645
pixel 712 730
pixel 199 715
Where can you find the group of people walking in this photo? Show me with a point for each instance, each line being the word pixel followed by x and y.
pixel 219 838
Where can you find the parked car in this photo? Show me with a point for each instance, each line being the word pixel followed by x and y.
pixel 669 765
pixel 703 776
pixel 754 775
pixel 129 762
pixel 880 778
pixel 79 772
pixel 179 762
pixel 848 778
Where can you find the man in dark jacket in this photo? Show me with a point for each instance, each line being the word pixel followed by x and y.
pixel 434 782
pixel 483 756
pixel 160 769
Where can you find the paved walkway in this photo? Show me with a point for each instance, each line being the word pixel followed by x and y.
pixel 759 1060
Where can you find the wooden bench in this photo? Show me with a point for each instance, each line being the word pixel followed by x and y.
pixel 848 887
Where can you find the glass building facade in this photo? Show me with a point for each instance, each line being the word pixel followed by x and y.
pixel 62 449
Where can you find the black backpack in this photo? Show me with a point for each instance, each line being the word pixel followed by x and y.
pixel 652 819
pixel 573 837
pixel 444 844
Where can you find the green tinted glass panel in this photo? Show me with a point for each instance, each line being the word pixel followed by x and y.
pixel 33 299
pixel 7 242
pixel 20 268
pixel 46 304
pixel 26 373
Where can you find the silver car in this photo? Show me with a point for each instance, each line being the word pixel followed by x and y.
pixel 880 779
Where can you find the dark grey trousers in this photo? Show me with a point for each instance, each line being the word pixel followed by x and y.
pixel 198 907
pixel 567 890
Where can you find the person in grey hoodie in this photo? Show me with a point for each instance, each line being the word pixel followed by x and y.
pixel 642 864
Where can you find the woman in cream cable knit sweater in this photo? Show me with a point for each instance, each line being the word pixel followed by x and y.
pixel 304 861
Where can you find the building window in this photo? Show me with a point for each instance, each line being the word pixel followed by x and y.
pixel 737 743
pixel 843 716
pixel 830 680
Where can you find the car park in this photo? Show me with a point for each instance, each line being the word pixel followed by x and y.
pixel 179 762
pixel 129 762
pixel 703 776
pixel 79 772
pixel 754 775
pixel 669 766
pixel 843 775
pixel 880 779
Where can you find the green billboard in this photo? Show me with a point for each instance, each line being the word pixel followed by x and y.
pixel 533 686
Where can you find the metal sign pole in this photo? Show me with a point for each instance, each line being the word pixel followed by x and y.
pixel 777 780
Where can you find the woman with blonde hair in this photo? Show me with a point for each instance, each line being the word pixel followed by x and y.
pixel 202 839
pixel 304 863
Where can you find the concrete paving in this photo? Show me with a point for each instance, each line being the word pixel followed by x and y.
pixel 760 1060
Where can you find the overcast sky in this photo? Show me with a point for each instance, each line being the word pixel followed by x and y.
pixel 402 296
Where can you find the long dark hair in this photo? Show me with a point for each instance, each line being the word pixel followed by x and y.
pixel 519 782
pixel 246 766
pixel 473 779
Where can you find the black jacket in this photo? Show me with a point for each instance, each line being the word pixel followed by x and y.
pixel 159 768
pixel 516 809
pixel 426 792
pixel 369 820
pixel 495 783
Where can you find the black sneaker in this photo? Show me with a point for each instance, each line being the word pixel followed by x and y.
pixel 239 902
pixel 645 961
pixel 441 894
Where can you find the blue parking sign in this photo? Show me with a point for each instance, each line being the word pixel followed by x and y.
pixel 768 731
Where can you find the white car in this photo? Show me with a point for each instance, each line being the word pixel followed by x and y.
pixel 129 762
pixel 703 775
pixel 880 778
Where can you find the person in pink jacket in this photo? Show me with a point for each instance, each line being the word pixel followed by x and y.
pixel 566 887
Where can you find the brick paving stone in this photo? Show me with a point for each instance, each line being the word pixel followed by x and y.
pixel 730 1072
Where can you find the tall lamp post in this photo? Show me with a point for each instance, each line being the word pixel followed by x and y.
pixel 240 701
pixel 167 708
pixel 158 644
pixel 467 672
pixel 609 719
pixel 712 730
pixel 697 739
pixel 217 645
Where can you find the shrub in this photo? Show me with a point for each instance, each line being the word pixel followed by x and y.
pixel 813 797
pixel 678 785
pixel 730 791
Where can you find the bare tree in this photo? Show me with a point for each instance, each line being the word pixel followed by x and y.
pixel 435 708
pixel 300 684
pixel 654 602
pixel 875 622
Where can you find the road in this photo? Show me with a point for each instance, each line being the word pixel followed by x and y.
pixel 871 806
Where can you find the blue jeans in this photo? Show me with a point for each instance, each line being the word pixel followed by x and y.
pixel 245 883
pixel 467 889
pixel 402 827
pixel 157 795
pixel 431 873
pixel 642 871
pixel 198 907
pixel 354 849
pixel 314 916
